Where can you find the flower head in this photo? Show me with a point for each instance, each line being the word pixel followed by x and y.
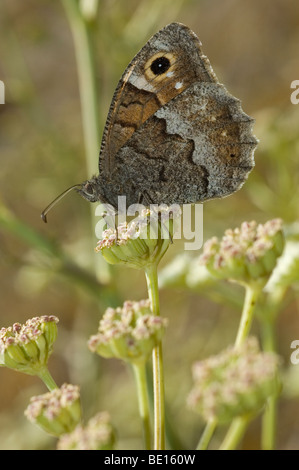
pixel 142 241
pixel 129 332
pixel 233 383
pixel 98 434
pixel 27 347
pixel 246 253
pixel 57 412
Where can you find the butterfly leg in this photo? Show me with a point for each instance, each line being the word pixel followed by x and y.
pixel 162 224
pixel 109 218
pixel 144 197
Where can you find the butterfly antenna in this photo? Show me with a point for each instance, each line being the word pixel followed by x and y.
pixel 56 200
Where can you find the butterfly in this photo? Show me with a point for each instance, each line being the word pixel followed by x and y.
pixel 174 135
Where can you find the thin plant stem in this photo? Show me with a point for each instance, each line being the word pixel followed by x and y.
pixel 269 424
pixel 47 378
pixel 251 295
pixel 157 359
pixel 63 263
pixel 143 402
pixel 267 320
pixel 238 426
pixel 81 31
pixel 207 435
pixel 269 421
pixel 84 50
pixel 235 433
pixel 172 440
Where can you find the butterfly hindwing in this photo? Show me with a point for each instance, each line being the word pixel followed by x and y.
pixel 186 153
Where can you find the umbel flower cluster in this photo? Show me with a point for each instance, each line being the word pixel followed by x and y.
pixel 129 332
pixel 246 253
pixel 57 412
pixel 27 347
pixel 233 383
pixel 142 241
pixel 98 434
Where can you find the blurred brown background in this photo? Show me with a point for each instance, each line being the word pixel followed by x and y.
pixel 49 269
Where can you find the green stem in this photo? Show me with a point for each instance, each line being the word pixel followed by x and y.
pixel 269 423
pixel 235 433
pixel 63 263
pixel 158 375
pixel 238 426
pixel 270 413
pixel 47 378
pixel 251 295
pixel 84 50
pixel 207 435
pixel 82 36
pixel 143 402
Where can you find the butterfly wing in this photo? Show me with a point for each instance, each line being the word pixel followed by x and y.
pixel 166 66
pixel 199 146
pixel 174 134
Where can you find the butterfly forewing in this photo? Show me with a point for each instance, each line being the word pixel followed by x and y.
pixel 168 64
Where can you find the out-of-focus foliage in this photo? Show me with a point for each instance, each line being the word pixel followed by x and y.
pixel 45 270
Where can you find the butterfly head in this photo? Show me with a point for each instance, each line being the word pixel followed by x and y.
pixel 89 190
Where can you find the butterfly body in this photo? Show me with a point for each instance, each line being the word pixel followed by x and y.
pixel 174 135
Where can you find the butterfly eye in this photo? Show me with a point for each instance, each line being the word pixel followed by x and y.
pixel 160 65
pixel 88 188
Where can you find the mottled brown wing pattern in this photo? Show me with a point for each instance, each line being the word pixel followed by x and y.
pixel 174 135
pixel 141 91
pixel 197 147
